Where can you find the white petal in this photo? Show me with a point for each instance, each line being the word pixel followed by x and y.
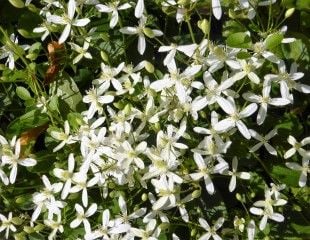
pixel 226 106
pixel 71 8
pixel 103 8
pixel 141 44
pixel 289 153
pixel 224 125
pixel 243 129
pixel 262 113
pixel 248 111
pixel 270 149
pixel 232 183
pixel 65 34
pixel 139 9
pixel 81 22
pixel 216 9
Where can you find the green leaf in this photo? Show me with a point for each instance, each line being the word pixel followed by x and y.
pixel 285 175
pixel 23 93
pixel 239 40
pixel 68 91
pixel 17 3
pixel 243 55
pixel 36 236
pixel 273 40
pixel 301 229
pixel 27 121
pixel 26 23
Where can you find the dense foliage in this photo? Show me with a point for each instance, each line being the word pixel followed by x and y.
pixel 154 119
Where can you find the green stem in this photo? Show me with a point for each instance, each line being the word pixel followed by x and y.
pixel 191 31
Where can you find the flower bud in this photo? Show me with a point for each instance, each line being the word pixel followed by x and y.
pixel 289 12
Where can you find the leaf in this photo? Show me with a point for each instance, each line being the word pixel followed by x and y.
pixel 23 93
pixel 239 40
pixel 68 91
pixel 17 3
pixel 35 236
pixel 301 229
pixel 27 121
pixel 285 175
pixel 273 40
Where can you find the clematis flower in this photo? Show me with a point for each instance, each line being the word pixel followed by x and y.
pixel 211 231
pixel 83 216
pixel 297 147
pixel 141 31
pixel 82 51
pixel 68 20
pixel 264 141
pixel 235 117
pixel 7 224
pixel 113 7
pixel 304 169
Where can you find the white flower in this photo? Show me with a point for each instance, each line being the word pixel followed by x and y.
pixel 68 21
pixel 129 155
pixel 264 100
pixel 211 231
pixel 66 176
pixel 188 50
pixel 263 141
pixel 7 52
pixel 81 184
pixel 297 146
pixel 113 7
pixel 260 50
pixel 64 137
pixel 81 50
pixel 83 216
pixel 288 81
pixel 247 70
pixel 108 77
pixel 265 208
pixel 176 80
pixel 55 225
pixel 107 228
pixel 166 191
pixel 211 89
pixel 205 169
pixel 219 56
pixel 234 174
pixel 7 224
pixel 235 117
pixel 95 97
pixel 13 159
pixel 141 30
pixel 304 169
pixel 150 232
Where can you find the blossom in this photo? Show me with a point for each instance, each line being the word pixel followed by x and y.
pixel 83 216
pixel 206 168
pixel 288 81
pixel 188 50
pixel 82 51
pixel 264 100
pixel 13 159
pixel 68 20
pixel 234 174
pixel 304 169
pixel 141 31
pixel 235 117
pixel 113 7
pixel 263 141
pixel 297 146
pixel 247 70
pixel 55 225
pixel 211 231
pixel 64 137
pixel 166 190
pixel 66 176
pixel 264 208
pixel 96 98
pixel 7 52
pixel 7 224
pixel 150 232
